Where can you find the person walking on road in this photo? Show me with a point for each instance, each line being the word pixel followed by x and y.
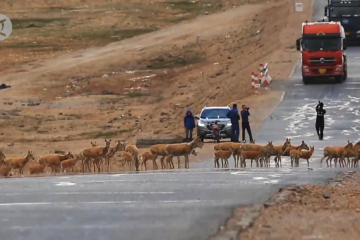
pixel 245 123
pixel 189 124
pixel 234 116
pixel 320 122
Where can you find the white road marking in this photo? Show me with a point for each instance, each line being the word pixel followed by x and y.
pixel 273 181
pixel 108 202
pixel 65 184
pixel 81 193
pixel 351 88
pixel 259 178
pixel 352 82
pixel 275 175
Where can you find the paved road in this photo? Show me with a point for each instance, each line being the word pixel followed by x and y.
pixel 147 206
pixel 182 205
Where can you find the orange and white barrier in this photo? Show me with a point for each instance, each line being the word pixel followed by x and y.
pixel 255 84
pixel 264 74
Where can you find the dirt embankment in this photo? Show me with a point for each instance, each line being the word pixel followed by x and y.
pixel 139 86
pixel 328 212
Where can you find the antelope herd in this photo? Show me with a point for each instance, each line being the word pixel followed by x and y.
pixel 100 156
pixel 261 154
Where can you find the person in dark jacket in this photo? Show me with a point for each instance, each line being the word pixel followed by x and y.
pixel 189 124
pixel 234 116
pixel 245 123
pixel 320 122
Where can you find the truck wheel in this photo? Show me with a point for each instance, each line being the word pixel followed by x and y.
pixel 345 73
pixel 306 80
pixel 339 79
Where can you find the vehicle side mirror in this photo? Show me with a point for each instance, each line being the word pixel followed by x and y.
pixel 197 117
pixel 298 43
pixel 326 11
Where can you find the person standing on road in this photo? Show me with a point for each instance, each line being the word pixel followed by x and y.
pixel 234 116
pixel 320 122
pixel 245 123
pixel 189 124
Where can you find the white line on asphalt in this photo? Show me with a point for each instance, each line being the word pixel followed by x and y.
pixel 352 82
pixel 294 68
pixel 82 193
pixel 259 178
pixel 109 202
pixel 298 84
pixel 351 88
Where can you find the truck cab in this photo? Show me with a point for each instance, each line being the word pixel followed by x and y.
pixel 322 51
pixel 348 13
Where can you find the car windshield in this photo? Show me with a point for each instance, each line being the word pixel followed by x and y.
pixel 214 113
pixel 321 44
pixel 345 11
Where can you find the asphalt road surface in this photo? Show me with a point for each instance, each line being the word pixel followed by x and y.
pixel 186 204
pixel 145 206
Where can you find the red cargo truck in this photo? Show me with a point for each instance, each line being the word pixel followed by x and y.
pixel 322 49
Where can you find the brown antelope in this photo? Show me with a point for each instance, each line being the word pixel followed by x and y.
pixel 37 169
pixel 111 153
pixel 303 145
pixel 265 151
pixel 336 152
pixel 93 144
pixel 158 150
pixel 69 163
pixel 351 153
pixel 53 160
pixel 253 155
pixel 224 155
pixel 294 155
pixel 226 146
pixel 4 171
pixel 19 162
pixel 126 157
pixel 182 149
pixel 90 153
pixel 305 155
pixel 278 151
pixel 135 156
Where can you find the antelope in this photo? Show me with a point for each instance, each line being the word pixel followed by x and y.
pixel 294 155
pixel 265 149
pixel 69 163
pixel 224 155
pixel 93 153
pixel 303 145
pixel 126 157
pixel 158 150
pixel 53 160
pixel 135 159
pixel 19 162
pixel 37 169
pixel 305 155
pixel 336 152
pixel 112 151
pixel 172 150
pixel 278 151
pixel 226 146
pixel 253 155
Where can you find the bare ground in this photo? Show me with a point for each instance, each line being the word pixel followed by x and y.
pixel 313 212
pixel 69 86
